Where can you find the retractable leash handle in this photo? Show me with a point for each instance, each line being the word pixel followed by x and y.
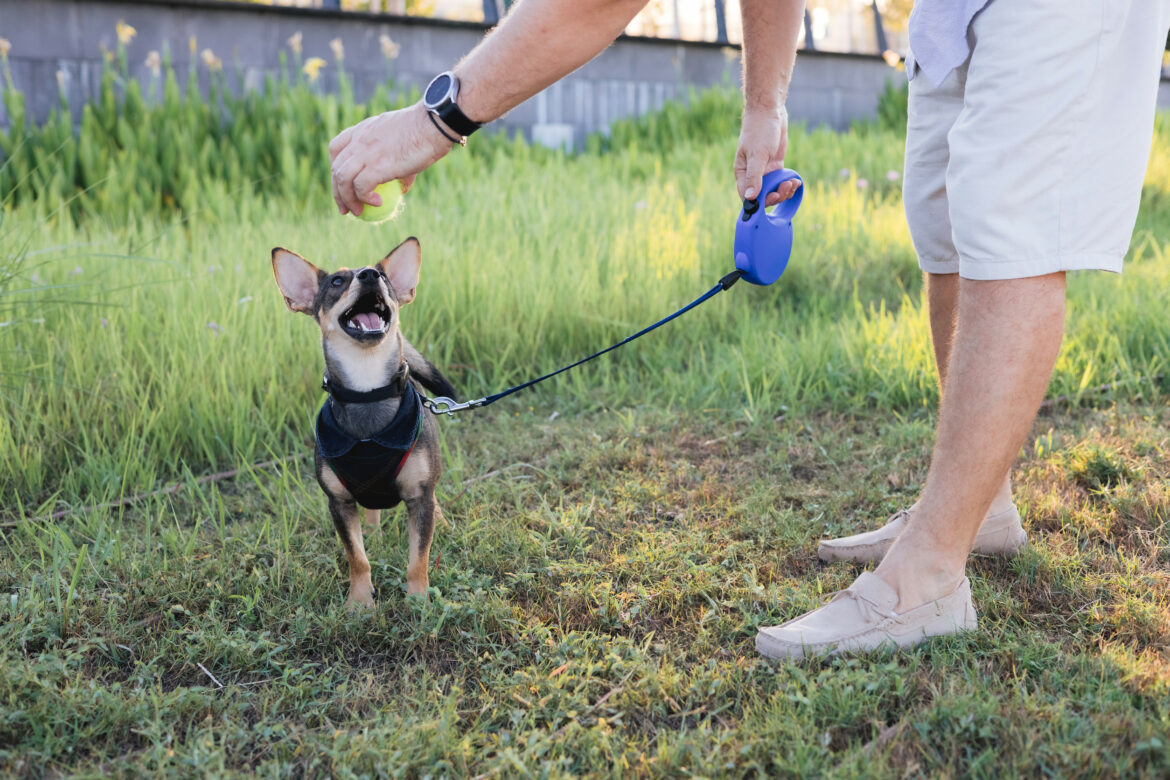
pixel 763 241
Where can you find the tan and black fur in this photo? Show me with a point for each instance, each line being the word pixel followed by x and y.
pixel 364 360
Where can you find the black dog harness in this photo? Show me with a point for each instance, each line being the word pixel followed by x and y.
pixel 368 467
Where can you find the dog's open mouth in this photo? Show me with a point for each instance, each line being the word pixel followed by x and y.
pixel 368 318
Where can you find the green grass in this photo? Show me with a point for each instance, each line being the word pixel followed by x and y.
pixel 603 571
pixel 595 596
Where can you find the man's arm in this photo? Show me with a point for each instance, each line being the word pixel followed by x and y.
pixel 770 31
pixel 538 43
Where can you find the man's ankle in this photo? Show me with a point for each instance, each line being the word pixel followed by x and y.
pixel 919 581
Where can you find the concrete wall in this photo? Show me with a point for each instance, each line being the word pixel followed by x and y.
pixel 636 75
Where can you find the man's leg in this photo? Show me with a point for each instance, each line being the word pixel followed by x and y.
pixel 1000 532
pixel 1003 351
pixel 1002 354
pixel 942 291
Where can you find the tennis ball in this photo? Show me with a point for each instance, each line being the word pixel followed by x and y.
pixel 391 193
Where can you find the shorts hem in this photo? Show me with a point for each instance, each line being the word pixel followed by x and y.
pixel 947 266
pixel 994 270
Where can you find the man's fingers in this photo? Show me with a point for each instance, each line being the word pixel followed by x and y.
pixel 364 184
pixel 785 191
pixel 753 174
pixel 339 142
pixel 337 196
pixel 342 163
pixel 407 182
pixel 344 180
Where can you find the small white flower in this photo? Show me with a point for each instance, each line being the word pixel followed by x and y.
pixel 294 42
pixel 390 49
pixel 862 184
pixel 893 175
pixel 210 60
pixel 245 299
pixel 338 49
pixel 214 328
pixel 154 62
pixel 845 173
pixel 5 47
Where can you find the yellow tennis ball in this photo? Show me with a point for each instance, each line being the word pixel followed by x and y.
pixel 391 193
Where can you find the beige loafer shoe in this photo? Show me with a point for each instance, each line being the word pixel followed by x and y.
pixel 862 618
pixel 1000 534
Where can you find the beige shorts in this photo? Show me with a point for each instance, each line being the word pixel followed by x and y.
pixel 1030 157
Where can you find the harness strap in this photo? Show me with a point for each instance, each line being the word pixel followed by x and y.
pixel 347 396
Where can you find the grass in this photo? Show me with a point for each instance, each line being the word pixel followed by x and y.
pixel 614 538
pixel 594 599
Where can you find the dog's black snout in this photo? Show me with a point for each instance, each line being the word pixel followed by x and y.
pixel 367 275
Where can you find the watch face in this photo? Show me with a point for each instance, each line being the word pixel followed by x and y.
pixel 438 90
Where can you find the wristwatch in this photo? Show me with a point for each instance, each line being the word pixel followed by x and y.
pixel 439 100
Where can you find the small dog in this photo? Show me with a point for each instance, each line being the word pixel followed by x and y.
pixel 375 445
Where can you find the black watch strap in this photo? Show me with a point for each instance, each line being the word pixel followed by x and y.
pixel 457 120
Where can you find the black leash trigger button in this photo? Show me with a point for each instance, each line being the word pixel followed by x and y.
pixel 750 206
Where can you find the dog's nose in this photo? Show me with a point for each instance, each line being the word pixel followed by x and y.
pixel 367 275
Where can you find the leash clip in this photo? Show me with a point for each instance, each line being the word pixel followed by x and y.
pixel 448 406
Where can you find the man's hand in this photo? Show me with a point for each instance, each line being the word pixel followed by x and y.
pixel 394 145
pixel 763 141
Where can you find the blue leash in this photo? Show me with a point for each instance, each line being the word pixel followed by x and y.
pixel 763 244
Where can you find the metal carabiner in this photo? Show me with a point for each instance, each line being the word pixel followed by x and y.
pixel 448 406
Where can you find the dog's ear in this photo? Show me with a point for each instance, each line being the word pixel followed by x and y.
pixel 297 278
pixel 402 266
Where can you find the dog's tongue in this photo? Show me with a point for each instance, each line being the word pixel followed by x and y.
pixel 368 320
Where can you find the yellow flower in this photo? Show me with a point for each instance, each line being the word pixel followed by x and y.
pixel 294 43
pixel 390 49
pixel 313 67
pixel 891 57
pixel 126 33
pixel 210 60
pixel 154 62
pixel 5 47
pixel 192 45
pixel 338 49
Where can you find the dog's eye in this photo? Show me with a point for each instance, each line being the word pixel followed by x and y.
pixel 337 281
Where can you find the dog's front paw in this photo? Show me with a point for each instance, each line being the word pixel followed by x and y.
pixel 418 589
pixel 359 601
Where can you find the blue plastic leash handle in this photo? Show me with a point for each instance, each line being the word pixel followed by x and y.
pixel 763 241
